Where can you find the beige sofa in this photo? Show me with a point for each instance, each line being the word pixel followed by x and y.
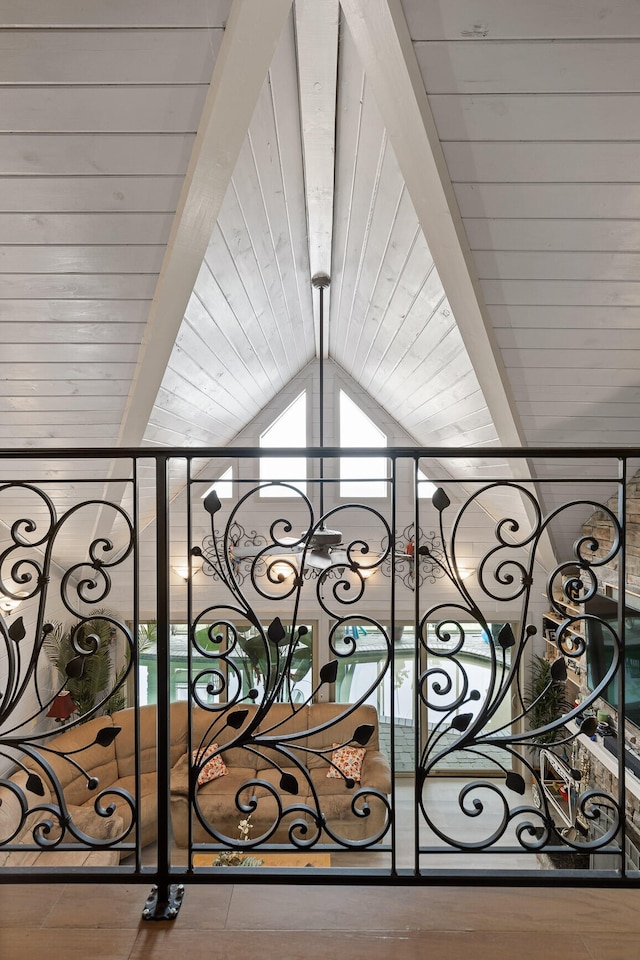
pixel 89 763
pixel 95 769
pixel 260 778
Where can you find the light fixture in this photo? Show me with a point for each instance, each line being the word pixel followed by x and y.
pixel 62 707
pixel 283 568
pixel 10 603
pixel 370 569
pixel 183 570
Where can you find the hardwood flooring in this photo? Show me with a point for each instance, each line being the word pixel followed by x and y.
pixel 295 922
pixel 289 922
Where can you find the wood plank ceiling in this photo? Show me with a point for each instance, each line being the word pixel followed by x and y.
pixel 174 172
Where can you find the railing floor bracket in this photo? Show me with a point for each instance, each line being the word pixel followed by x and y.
pixel 166 908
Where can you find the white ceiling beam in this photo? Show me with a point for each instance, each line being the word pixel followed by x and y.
pixel 382 38
pixel 251 36
pixel 316 24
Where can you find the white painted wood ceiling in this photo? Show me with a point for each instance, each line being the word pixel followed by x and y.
pixel 172 173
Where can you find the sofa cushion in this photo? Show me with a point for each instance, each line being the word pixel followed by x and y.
pixel 213 766
pixel 337 725
pixel 146 803
pixel 12 799
pixel 346 762
pixel 98 761
pixel 125 741
pixel 232 780
pixel 212 726
pixel 288 730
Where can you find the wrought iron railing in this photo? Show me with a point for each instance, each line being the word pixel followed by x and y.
pixel 265 758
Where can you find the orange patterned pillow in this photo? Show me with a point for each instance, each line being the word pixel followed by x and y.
pixel 213 768
pixel 348 761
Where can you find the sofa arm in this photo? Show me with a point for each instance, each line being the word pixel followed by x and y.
pixel 376 771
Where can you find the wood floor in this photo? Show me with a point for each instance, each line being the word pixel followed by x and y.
pixel 222 920
pixel 71 922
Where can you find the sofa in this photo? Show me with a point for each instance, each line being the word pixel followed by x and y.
pixel 84 765
pixel 276 768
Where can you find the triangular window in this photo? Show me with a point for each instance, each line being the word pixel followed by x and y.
pixel 360 476
pixel 288 430
pixel 223 486
pixel 426 489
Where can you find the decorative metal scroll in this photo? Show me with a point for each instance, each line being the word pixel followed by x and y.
pixel 35 812
pixel 463 726
pixel 407 563
pixel 415 562
pixel 286 772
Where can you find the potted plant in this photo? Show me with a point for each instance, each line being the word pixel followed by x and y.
pixel 89 676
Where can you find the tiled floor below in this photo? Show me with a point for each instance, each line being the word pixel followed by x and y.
pixel 290 922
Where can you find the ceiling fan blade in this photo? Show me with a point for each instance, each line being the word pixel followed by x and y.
pixel 281 550
pixel 319 558
pixel 242 553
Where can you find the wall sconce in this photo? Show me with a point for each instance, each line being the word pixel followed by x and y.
pixel 62 707
pixel 182 570
pixel 370 569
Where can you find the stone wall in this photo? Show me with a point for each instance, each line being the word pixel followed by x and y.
pixel 600 777
pixel 600 527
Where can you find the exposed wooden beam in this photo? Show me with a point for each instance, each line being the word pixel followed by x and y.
pixel 383 42
pixel 251 36
pixel 382 38
pixel 317 42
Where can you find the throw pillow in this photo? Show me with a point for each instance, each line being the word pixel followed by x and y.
pixel 213 768
pixel 348 761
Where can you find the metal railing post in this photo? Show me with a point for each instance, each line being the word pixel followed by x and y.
pixel 165 899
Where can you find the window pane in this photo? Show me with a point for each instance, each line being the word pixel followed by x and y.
pixel 289 430
pixel 247 671
pixel 223 486
pixel 360 477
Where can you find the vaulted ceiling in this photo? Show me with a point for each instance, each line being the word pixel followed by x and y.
pixel 174 172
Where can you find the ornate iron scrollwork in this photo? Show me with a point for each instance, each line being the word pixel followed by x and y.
pixel 466 727
pixel 39 815
pixel 265 727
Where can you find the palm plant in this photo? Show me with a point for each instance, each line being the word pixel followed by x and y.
pixel 546 702
pixel 88 675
